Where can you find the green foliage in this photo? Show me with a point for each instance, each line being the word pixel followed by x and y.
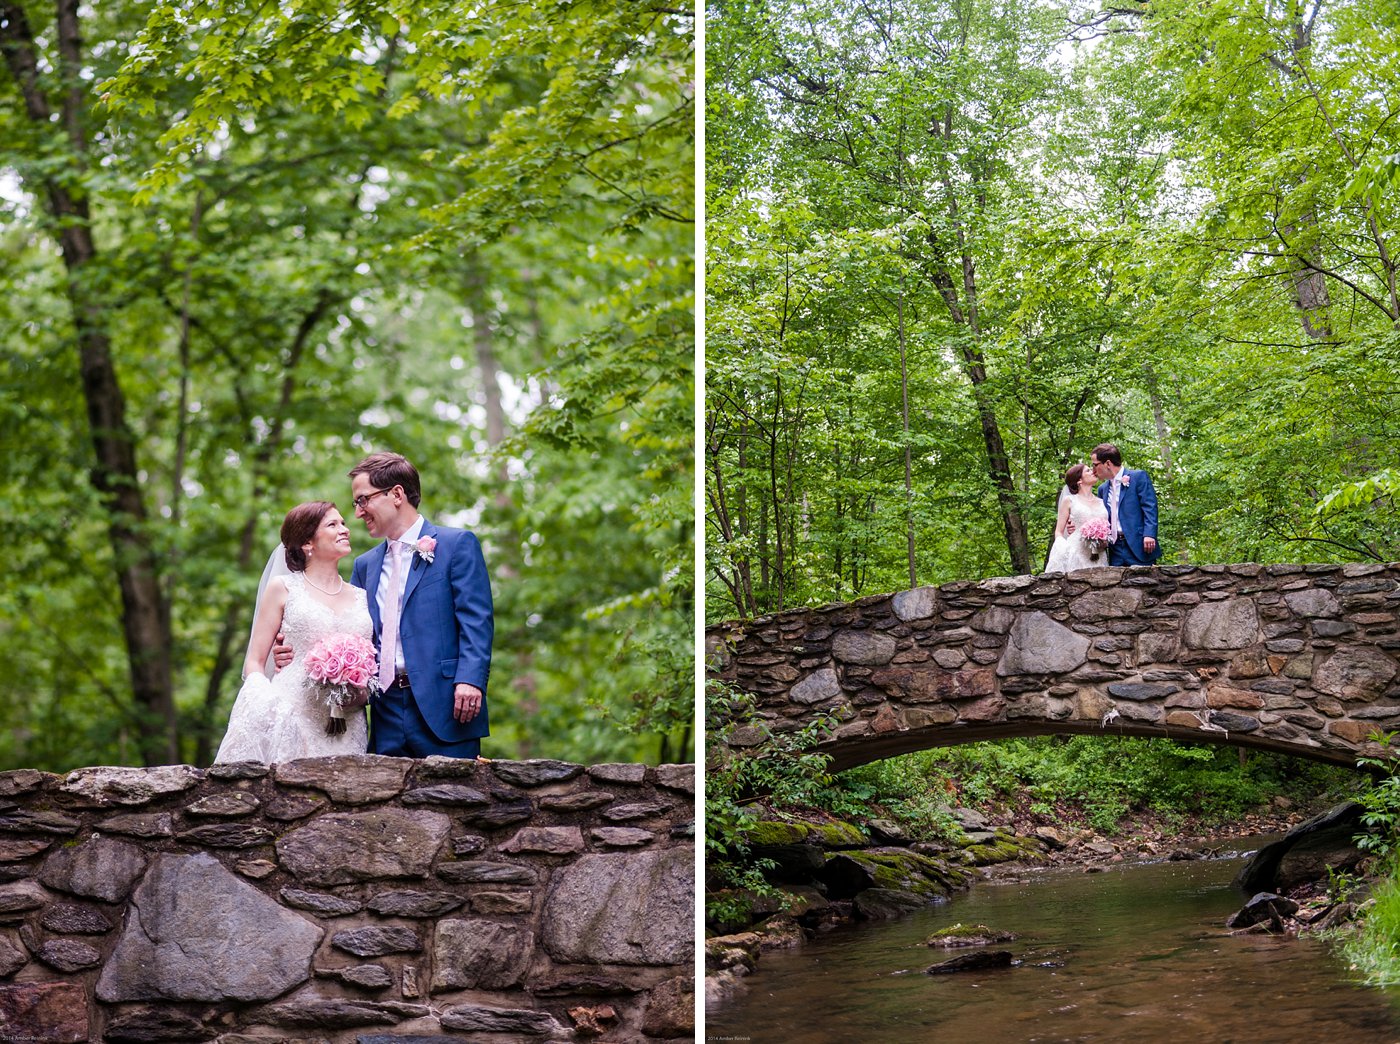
pixel 1106 779
pixel 1182 238
pixel 1373 950
pixel 1381 799
pixel 782 769
pixel 321 231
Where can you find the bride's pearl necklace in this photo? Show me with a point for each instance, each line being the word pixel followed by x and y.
pixel 318 587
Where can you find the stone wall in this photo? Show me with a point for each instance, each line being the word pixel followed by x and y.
pixel 1297 658
pixel 357 898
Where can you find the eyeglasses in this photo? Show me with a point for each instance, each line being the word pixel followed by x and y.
pixel 364 499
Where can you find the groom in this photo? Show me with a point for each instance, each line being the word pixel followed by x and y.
pixel 430 601
pixel 1132 508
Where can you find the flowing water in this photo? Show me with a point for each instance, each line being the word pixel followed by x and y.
pixel 1137 953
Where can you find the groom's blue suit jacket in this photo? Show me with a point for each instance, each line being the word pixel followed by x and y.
pixel 445 625
pixel 1137 515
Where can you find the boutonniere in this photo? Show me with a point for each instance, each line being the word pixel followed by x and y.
pixel 425 548
pixel 1127 480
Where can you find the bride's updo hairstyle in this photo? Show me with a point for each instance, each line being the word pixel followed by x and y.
pixel 1074 476
pixel 299 527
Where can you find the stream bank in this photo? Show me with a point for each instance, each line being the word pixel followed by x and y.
pixel 830 873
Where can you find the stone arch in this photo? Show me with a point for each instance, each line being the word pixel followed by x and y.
pixel 1299 659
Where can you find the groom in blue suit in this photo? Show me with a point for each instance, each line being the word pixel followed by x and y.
pixel 430 600
pixel 1132 508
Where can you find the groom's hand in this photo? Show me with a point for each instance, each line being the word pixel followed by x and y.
pixel 281 654
pixel 1149 544
pixel 466 701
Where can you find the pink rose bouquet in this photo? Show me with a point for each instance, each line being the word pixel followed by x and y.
pixel 346 670
pixel 1095 534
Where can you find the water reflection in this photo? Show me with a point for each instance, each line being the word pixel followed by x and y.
pixel 1138 953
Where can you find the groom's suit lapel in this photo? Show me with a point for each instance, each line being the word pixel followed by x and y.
pixel 420 566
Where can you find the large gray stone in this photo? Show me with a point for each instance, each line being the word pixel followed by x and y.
pixel 676 777
pixel 101 867
pixel 520 1022
pixel 20 897
pixel 1038 645
pixel 557 840
pixel 619 773
pixel 1355 673
pixel 349 779
pixel 623 909
pixel 129 786
pixel 535 772
pixel 228 805
pixel 481 871
pixel 308 1007
pixel 481 955
pixel 141 824
pixel 447 794
pixel 195 931
pixel 918 604
pixel 1315 601
pixel 376 941
pixel 817 686
pixel 344 847
pixel 1113 603
pixel 866 648
pixel 407 902
pixel 1231 624
pixel 319 902
pixel 26 821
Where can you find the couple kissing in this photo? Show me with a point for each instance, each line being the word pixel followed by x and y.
pixel 1120 518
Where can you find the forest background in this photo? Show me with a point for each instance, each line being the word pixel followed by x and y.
pixel 954 244
pixel 243 246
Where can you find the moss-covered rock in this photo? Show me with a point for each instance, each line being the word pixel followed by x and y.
pixel 838 835
pixel 770 834
pixel 1003 848
pixel 850 873
pixel 968 935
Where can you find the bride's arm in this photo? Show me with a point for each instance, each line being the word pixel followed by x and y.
pixel 265 627
pixel 1064 517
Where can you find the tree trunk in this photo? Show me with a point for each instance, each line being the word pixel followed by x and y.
pixel 145 608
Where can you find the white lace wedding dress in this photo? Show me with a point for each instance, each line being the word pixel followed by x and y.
pixel 1070 552
pixel 283 719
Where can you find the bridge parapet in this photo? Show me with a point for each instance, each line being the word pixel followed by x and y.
pixel 1303 659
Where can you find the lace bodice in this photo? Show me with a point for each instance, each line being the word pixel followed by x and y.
pixel 1070 553
pixel 1080 512
pixel 306 620
pixel 285 718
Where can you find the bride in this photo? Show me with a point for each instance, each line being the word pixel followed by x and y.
pixel 1078 505
pixel 282 718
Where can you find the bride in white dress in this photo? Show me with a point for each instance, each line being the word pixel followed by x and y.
pixel 1079 505
pixel 282 718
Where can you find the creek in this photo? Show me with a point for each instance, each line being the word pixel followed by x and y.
pixel 1139 952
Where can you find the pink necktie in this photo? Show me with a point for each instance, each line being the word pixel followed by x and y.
pixel 389 635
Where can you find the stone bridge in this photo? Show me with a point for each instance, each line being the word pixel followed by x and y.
pixel 350 899
pixel 1301 659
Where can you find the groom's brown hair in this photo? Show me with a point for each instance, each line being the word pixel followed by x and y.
pixel 1104 453
pixel 387 470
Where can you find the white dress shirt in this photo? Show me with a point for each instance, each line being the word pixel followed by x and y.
pixel 409 537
